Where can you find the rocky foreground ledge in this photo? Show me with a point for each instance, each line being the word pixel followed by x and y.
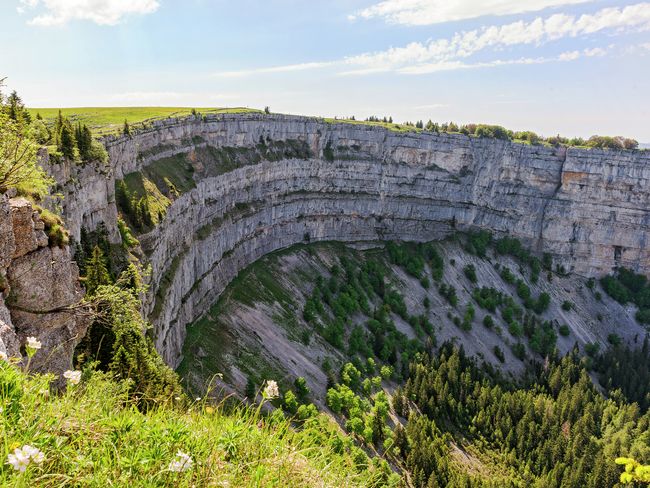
pixel 39 289
pixel 353 182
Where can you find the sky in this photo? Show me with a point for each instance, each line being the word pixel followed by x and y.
pixel 573 67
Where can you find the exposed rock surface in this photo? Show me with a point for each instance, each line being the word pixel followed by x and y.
pixel 39 285
pixel 589 209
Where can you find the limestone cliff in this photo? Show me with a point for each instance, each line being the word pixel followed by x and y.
pixel 39 287
pixel 262 182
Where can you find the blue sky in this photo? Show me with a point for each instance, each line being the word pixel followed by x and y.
pixel 575 67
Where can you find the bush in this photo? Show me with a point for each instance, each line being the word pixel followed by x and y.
pixel 488 321
pixel 470 273
pixel 499 354
pixel 567 305
pixel 614 339
pixel 515 329
pixel 519 350
pixel 564 330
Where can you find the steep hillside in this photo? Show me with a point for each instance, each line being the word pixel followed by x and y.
pixel 265 324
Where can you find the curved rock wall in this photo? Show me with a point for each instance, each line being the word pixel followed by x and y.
pixel 587 208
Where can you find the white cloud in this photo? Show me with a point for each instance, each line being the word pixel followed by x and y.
pixel 427 12
pixel 451 53
pixel 445 53
pixel 102 12
pixel 274 69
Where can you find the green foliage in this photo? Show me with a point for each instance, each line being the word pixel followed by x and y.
pixel 488 321
pixel 470 272
pixel 567 305
pixel 478 242
pixel 607 142
pixel 19 166
pixel 499 354
pixel 564 330
pixel 627 286
pixel 95 435
pixel 96 271
pixel 493 131
pixel 449 292
pixel 557 432
pixel 56 232
pixel 634 472
pixel 628 370
pixel 128 240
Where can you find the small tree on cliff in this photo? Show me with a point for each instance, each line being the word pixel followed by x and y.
pixel 18 160
pixel 67 143
pixel 96 271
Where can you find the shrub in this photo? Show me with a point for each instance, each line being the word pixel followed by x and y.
pixel 567 305
pixel 470 273
pixel 519 350
pixel 499 354
pixel 515 329
pixel 564 330
pixel 488 321
pixel 614 339
pixel 592 349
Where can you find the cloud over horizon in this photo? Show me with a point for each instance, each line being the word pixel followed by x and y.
pixel 101 12
pixel 428 12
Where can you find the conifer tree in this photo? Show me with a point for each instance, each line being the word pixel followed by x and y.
pixel 96 271
pixel 67 143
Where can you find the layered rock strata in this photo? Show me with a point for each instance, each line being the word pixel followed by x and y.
pixel 352 182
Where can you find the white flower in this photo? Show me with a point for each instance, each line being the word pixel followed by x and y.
pixel 22 457
pixel 182 462
pixel 73 377
pixel 3 356
pixel 34 453
pixel 271 390
pixel 33 343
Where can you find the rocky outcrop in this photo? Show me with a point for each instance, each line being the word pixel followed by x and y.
pixel 39 288
pixel 356 183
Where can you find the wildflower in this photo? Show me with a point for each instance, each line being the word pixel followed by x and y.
pixel 271 390
pixel 32 346
pixel 209 410
pixel 22 457
pixel 182 462
pixel 34 453
pixel 198 399
pixel 3 356
pixel 73 377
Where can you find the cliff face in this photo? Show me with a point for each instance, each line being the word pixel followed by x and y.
pixel 355 183
pixel 39 286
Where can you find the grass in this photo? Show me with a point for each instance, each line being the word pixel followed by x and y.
pixel 395 127
pixel 109 120
pixel 92 435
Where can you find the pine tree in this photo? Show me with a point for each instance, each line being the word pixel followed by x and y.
pixel 67 142
pixel 127 129
pixel 96 271
pixel 16 109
